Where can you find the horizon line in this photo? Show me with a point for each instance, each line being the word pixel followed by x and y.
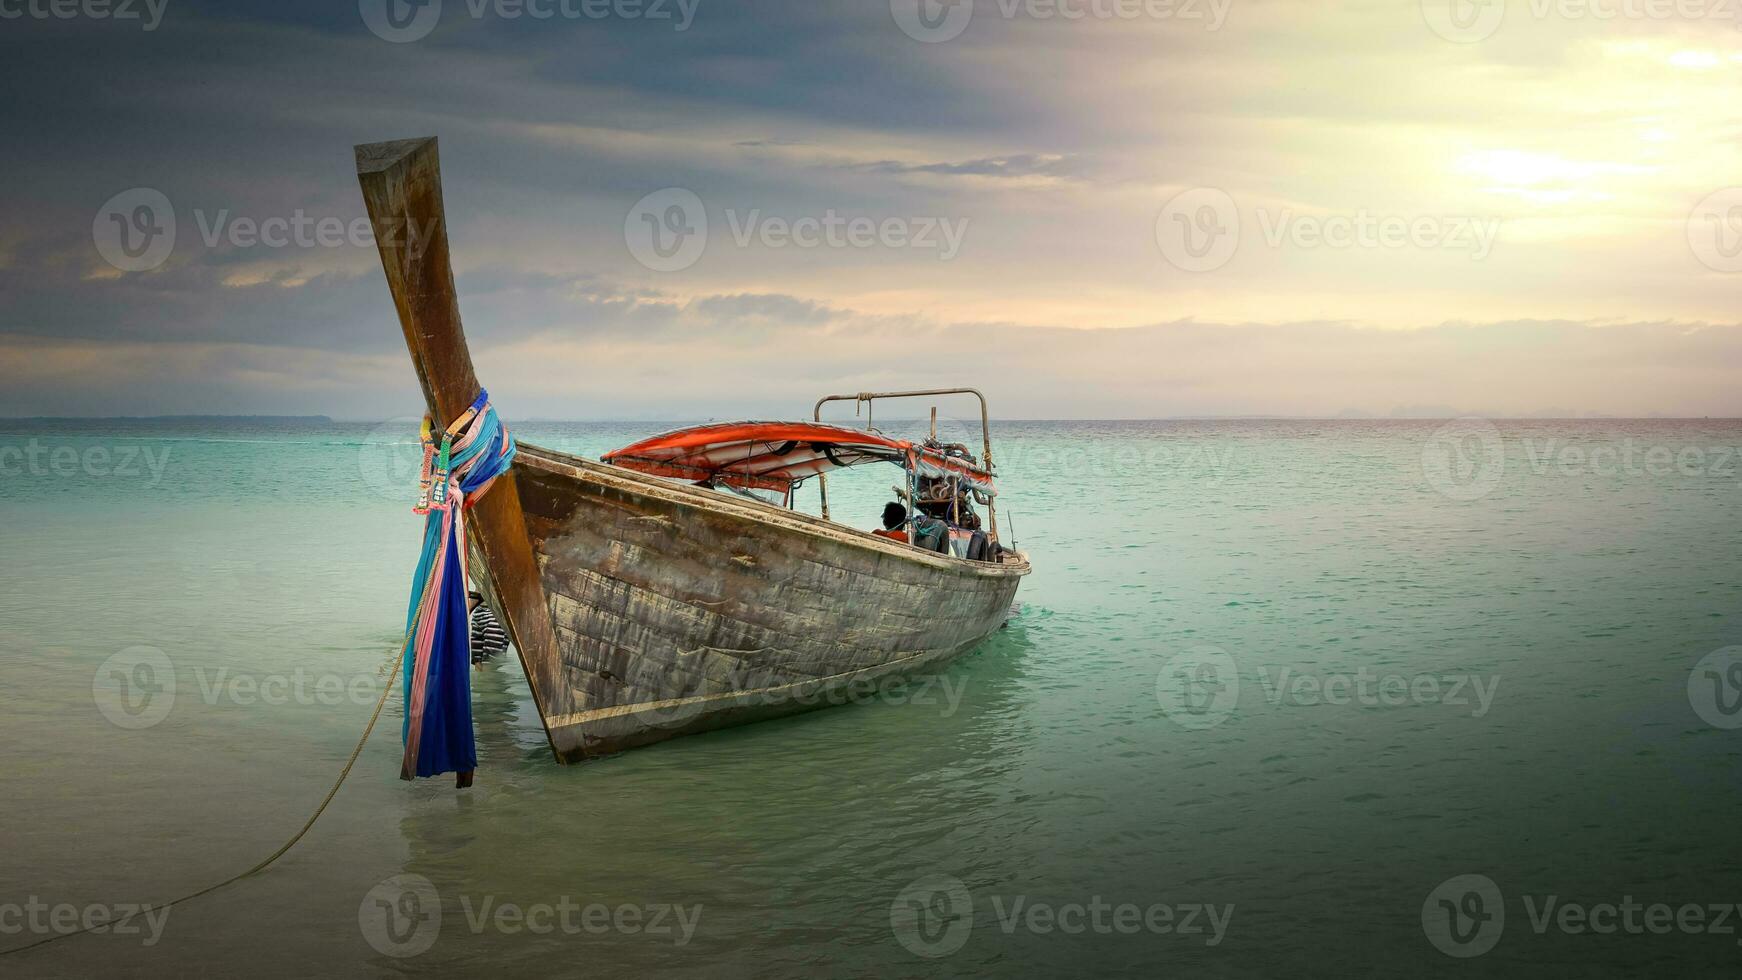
pixel 1257 417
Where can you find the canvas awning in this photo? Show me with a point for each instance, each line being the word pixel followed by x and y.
pixel 775 455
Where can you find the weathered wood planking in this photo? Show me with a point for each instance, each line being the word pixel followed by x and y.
pixel 678 609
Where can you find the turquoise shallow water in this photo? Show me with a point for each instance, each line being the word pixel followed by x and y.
pixel 1306 670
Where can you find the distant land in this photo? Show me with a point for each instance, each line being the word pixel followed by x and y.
pixel 169 418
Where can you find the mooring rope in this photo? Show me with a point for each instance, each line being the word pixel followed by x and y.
pixel 368 729
pixel 471 454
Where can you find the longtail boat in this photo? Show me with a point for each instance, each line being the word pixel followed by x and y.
pixel 672 587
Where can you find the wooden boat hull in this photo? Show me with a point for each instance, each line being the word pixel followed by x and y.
pixel 679 609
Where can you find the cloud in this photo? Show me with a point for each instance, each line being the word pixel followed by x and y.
pixel 1055 144
pixel 1017 165
pixel 764 306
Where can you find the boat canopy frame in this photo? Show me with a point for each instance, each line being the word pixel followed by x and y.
pixel 868 398
pixel 779 456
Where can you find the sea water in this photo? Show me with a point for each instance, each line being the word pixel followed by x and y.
pixel 1281 696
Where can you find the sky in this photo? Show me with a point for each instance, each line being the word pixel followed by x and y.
pixel 1087 208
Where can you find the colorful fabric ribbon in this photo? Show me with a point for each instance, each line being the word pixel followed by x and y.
pixel 472 453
